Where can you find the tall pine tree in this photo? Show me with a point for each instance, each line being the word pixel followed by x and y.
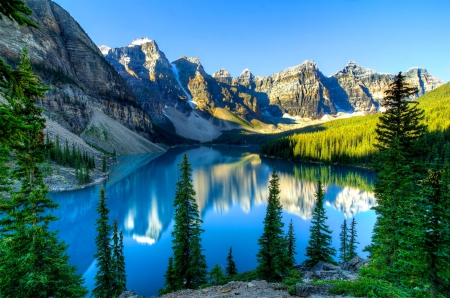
pixel 271 256
pixel 352 240
pixel 344 240
pixel 118 261
pixel 290 241
pixel 319 244
pixel 189 261
pixel 231 265
pixel 105 276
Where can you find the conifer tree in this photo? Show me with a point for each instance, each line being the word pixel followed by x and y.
pixel 319 244
pixel 105 276
pixel 189 261
pixel 436 224
pixel 118 260
pixel 352 241
pixel 271 256
pixel 401 119
pixel 231 265
pixel 290 240
pixel 216 275
pixel 344 238
pixel 33 263
pixel 171 279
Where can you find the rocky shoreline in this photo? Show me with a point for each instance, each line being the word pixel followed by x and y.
pixel 260 288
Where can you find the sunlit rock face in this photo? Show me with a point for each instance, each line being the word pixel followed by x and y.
pixel 148 72
pixel 67 60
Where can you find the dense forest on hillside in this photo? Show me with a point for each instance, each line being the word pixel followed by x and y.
pixel 352 140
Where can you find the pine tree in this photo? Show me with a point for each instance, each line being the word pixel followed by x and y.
pixel 319 245
pixel 231 265
pixel 271 256
pixel 352 241
pixel 16 10
pixel 105 276
pixel 401 119
pixel 171 279
pixel 290 239
pixel 189 262
pixel 33 263
pixel 118 261
pixel 344 239
pixel 216 275
pixel 436 224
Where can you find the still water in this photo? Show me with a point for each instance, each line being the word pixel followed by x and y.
pixel 232 189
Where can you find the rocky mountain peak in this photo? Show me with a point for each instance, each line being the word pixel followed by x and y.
pixel 422 79
pixel 104 49
pixel 222 76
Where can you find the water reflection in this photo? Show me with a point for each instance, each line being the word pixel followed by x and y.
pixel 231 184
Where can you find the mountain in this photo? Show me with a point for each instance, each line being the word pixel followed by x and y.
pixel 173 92
pixel 87 97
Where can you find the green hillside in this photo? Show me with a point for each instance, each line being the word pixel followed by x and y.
pixel 351 141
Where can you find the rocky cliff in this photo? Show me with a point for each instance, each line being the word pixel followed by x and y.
pixel 81 80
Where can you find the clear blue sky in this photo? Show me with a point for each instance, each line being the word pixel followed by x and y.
pixel 269 36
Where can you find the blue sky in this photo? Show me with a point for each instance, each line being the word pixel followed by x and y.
pixel 269 36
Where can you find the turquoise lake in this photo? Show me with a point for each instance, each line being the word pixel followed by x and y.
pixel 232 189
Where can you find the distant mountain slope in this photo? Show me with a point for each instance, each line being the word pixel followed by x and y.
pixel 82 82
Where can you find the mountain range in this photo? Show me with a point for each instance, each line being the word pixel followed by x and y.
pixel 96 90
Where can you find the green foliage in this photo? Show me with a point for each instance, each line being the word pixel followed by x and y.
pixel 352 241
pixel 319 244
pixel 344 239
pixel 105 276
pixel 231 265
pixel 32 261
pixel 118 259
pixel 290 241
pixel 271 256
pixel 170 284
pixel 290 281
pixel 189 262
pixel 216 275
pixel 372 287
pixel 16 10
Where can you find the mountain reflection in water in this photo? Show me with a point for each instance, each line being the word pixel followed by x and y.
pixel 232 189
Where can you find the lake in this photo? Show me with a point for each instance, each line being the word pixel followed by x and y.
pixel 232 190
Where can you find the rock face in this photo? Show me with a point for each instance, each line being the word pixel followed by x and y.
pixel 81 80
pixel 150 75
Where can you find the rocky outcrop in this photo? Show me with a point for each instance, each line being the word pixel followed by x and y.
pixel 67 60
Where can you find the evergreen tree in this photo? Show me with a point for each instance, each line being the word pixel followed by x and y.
pixel 352 241
pixel 290 239
pixel 32 261
pixel 401 119
pixel 231 265
pixel 189 262
pixel 118 260
pixel 171 279
pixel 319 244
pixel 271 256
pixel 435 226
pixel 16 10
pixel 105 276
pixel 344 239
pixel 216 275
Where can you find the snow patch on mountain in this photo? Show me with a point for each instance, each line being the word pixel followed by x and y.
pixel 104 49
pixel 139 41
